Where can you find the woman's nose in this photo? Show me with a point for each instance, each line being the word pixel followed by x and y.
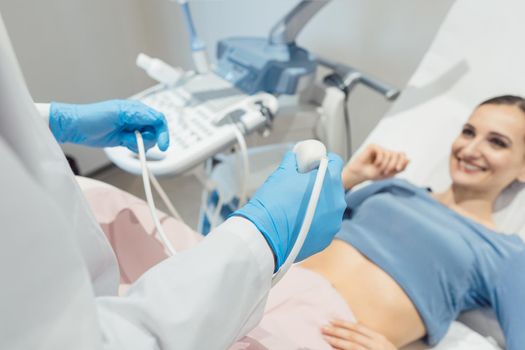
pixel 472 148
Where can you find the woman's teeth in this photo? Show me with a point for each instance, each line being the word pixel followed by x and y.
pixel 471 167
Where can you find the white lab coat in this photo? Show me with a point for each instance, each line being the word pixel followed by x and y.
pixel 59 276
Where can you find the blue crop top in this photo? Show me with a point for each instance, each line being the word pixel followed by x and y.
pixel 445 262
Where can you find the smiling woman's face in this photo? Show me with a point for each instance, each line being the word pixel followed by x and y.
pixel 489 154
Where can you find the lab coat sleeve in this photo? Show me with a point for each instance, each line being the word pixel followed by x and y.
pixel 510 302
pixel 43 109
pixel 203 298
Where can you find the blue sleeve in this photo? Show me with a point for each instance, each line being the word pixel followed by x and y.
pixel 356 197
pixel 509 302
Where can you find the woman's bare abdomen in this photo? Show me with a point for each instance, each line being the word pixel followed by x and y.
pixel 375 298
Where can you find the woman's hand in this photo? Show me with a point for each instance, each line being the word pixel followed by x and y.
pixel 374 163
pixel 342 335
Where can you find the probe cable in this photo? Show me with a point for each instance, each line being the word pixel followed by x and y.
pixel 243 149
pixel 307 221
pixel 146 174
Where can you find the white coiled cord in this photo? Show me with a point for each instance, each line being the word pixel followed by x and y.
pixel 148 177
pixel 146 174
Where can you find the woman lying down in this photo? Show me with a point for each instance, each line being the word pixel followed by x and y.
pixel 407 261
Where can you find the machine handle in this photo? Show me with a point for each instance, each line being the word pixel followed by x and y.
pixel 351 76
pixel 386 90
pixel 286 30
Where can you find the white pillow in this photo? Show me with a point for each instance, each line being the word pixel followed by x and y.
pixel 509 210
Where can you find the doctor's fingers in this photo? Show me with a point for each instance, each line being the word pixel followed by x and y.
pixel 137 116
pixel 129 140
pixel 163 138
pixel 289 161
pixel 159 127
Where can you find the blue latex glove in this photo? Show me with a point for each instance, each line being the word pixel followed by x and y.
pixel 108 123
pixel 278 208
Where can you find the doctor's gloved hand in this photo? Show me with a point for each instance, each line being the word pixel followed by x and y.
pixel 108 123
pixel 278 208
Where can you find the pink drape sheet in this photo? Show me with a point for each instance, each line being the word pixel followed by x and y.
pixel 296 309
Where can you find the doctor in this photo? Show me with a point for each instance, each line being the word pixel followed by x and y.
pixel 59 276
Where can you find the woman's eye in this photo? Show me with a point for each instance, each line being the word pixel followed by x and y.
pixel 467 132
pixel 498 143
